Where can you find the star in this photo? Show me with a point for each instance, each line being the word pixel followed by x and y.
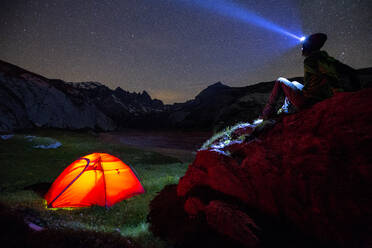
pixel 171 45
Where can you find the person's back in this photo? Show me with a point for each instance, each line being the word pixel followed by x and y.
pixel 316 83
pixel 323 76
pixel 341 76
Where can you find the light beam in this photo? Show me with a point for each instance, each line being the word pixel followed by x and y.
pixel 231 9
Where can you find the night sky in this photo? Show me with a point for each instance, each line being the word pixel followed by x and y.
pixel 175 48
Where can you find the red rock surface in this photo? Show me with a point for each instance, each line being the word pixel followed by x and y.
pixel 310 174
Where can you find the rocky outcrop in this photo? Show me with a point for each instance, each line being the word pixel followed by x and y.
pixel 306 182
pixel 29 100
pixel 35 102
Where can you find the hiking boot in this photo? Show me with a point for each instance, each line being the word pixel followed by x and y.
pixel 287 108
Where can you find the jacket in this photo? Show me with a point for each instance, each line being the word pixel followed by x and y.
pixel 321 79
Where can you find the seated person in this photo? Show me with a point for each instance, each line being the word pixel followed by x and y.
pixel 321 80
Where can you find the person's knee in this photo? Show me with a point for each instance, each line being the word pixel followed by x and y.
pixel 298 85
pixel 282 80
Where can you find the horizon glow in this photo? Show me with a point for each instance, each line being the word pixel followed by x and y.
pixel 234 10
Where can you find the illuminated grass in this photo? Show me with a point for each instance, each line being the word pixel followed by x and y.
pixel 224 137
pixel 23 165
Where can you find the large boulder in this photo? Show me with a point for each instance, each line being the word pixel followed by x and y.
pixel 306 182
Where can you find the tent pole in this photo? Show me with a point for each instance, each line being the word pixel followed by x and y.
pixel 88 161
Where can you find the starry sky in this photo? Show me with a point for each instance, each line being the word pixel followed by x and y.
pixel 173 49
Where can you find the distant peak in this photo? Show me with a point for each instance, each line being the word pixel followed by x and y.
pixel 144 93
pixel 87 85
pixel 212 90
pixel 218 85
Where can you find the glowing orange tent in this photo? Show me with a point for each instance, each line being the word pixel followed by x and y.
pixel 96 179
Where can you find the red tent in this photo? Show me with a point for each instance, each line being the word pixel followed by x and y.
pixel 96 179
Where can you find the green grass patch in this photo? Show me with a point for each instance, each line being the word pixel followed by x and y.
pixel 225 137
pixel 23 166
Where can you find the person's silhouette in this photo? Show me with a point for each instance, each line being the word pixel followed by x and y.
pixel 321 80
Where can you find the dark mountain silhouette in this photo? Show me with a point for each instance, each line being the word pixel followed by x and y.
pixel 30 100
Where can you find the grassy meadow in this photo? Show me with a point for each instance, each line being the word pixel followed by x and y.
pixel 24 169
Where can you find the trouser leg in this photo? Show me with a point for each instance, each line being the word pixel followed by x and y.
pixel 291 90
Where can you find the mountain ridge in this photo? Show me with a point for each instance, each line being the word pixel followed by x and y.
pixel 31 100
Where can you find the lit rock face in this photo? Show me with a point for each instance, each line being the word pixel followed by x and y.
pixel 28 100
pixel 306 182
pixel 37 103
